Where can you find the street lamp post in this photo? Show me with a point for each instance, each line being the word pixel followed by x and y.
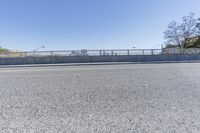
pixel 34 51
pixel 38 48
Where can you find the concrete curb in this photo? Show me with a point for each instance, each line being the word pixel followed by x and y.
pixel 101 63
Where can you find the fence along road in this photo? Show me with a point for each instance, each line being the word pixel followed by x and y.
pixel 84 52
pixel 108 52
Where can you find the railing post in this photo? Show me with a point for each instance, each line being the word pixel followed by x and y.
pixel 175 51
pixel 25 54
pixel 151 51
pixel 128 52
pixel 51 53
pixel 142 52
pixel 100 52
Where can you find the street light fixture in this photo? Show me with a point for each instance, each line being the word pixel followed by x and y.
pixel 135 47
pixel 38 48
pixel 34 51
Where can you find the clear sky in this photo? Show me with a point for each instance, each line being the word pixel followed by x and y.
pixel 88 24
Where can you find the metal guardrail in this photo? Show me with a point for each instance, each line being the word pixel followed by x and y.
pixel 181 51
pixel 110 52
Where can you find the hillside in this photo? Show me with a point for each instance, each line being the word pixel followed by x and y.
pixel 193 42
pixel 3 50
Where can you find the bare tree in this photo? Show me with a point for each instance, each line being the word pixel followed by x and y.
pixel 178 34
pixel 188 28
pixel 172 34
pixel 198 25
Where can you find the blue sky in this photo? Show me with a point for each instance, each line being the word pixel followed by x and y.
pixel 88 24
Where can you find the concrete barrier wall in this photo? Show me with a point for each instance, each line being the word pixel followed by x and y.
pixel 88 59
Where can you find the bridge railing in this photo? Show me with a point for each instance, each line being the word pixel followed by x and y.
pixel 108 52
pixel 103 52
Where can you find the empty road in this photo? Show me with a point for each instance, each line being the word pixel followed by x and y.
pixel 141 98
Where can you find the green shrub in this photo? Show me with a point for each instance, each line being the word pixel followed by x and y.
pixel 3 50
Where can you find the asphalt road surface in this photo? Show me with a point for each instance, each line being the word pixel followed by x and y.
pixel 141 98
